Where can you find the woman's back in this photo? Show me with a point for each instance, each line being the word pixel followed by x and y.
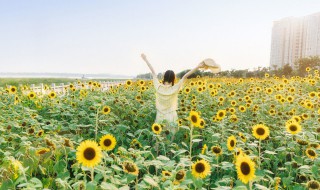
pixel 167 96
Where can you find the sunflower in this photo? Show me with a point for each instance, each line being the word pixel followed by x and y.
pixel 141 83
pixel 138 97
pixel 293 127
pixel 180 175
pixel 16 100
pixel 89 153
pixel 308 69
pixel 135 144
pixel 156 128
pixel 245 168
pixel 242 108
pixel 128 82
pixel 260 131
pixel 311 153
pixel 130 168
pixel 200 89
pixel 187 90
pixel 238 152
pixel 13 90
pixel 221 99
pixel 277 182
pixel 221 114
pixel 233 103
pixel 42 151
pixel 216 150
pixel 17 167
pixel 106 110
pixel 302 142
pixel 200 169
pixel 313 185
pixel 204 148
pixel 231 143
pixel 232 110
pixel 202 123
pixel 233 118
pixel 243 138
pixel 108 142
pixel 194 118
pixel 166 174
pixel 269 90
pixel 32 95
pixel 40 133
pixel 68 143
pixel 296 118
pixel 52 95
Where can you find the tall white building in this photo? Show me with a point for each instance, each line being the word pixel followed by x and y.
pixel 294 38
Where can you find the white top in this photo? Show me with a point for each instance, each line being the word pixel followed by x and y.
pixel 166 96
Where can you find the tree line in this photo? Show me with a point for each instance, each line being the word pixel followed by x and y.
pixel 299 69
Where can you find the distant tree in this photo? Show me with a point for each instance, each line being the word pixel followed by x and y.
pixel 144 76
pixel 193 75
pixel 313 62
pixel 286 70
pixel 180 75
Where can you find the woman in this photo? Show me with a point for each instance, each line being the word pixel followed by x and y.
pixel 167 94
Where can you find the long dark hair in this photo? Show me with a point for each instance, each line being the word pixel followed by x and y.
pixel 169 77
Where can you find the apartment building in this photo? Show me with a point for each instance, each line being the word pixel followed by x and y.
pixel 294 38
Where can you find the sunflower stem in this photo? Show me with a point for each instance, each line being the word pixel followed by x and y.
pixel 96 127
pixel 259 153
pixel 217 158
pixel 250 185
pixel 136 186
pixel 190 151
pixel 92 174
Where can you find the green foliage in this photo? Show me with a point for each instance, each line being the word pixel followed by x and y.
pixel 71 118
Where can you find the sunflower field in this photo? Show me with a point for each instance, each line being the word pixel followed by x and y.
pixel 231 134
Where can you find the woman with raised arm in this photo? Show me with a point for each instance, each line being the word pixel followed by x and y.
pixel 167 94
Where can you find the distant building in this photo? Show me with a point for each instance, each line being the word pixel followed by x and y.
pixel 294 38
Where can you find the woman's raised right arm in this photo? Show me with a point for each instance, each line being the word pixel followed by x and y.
pixel 200 65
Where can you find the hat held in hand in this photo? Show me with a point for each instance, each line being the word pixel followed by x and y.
pixel 211 65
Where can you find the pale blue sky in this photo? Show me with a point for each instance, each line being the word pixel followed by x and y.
pixel 78 36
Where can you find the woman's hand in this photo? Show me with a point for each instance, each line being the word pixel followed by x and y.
pixel 144 57
pixel 201 64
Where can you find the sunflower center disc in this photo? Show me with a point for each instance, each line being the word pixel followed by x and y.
pixel 221 114
pixel 156 128
pixel 293 128
pixel 245 168
pixel 107 142
pixel 194 119
pixel 167 174
pixel 216 150
pixel 260 131
pixel 89 153
pixel 314 185
pixel 130 167
pixel 200 167
pixel 179 175
pixel 311 153
pixel 232 143
pixel 106 109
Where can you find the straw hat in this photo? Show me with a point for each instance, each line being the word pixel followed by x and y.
pixel 212 65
